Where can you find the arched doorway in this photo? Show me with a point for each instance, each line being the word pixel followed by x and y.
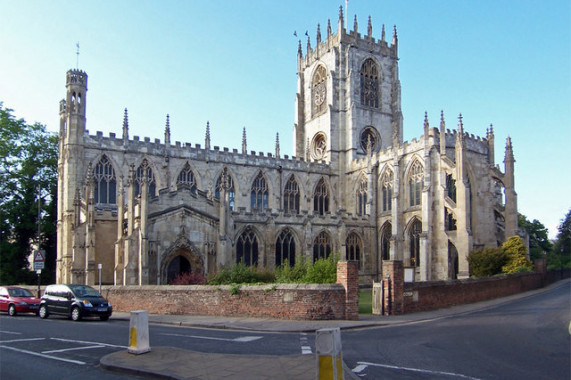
pixel 177 266
pixel 452 261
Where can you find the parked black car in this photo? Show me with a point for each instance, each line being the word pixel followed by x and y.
pixel 74 301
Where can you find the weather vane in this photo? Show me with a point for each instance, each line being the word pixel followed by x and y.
pixel 77 56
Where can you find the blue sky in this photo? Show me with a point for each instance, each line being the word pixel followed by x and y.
pixel 233 63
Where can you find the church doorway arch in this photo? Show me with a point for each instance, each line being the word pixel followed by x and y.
pixel 177 266
pixel 182 257
pixel 452 261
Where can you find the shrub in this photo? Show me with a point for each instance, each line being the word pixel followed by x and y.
pixel 241 274
pixel 323 271
pixel 188 278
pixel 487 262
pixel 515 251
pixel 286 274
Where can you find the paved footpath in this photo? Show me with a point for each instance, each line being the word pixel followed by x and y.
pixel 175 363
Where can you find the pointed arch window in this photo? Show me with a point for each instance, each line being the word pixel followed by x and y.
pixel 230 189
pixel 186 177
pixel 415 179
pixel 105 182
pixel 386 234
pixel 353 248
pixel 321 246
pixel 387 190
pixel 449 220
pixel 291 196
pixel 247 248
pixel 321 198
pixel 319 91
pixel 259 194
pixel 285 249
pixel 370 84
pixel 362 196
pixel 415 231
pixel 145 170
pixel 451 187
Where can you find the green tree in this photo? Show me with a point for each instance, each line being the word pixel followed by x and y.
pixel 517 260
pixel 28 168
pixel 539 244
pixel 487 262
pixel 561 256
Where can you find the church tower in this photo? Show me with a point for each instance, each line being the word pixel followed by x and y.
pixel 348 97
pixel 71 170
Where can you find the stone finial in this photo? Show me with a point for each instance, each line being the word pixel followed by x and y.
pixel 425 122
pixel 244 145
pixel 308 44
pixel 318 38
pixel 126 126
pixel 329 27
pixel 370 28
pixel 299 51
pixel 341 22
pixel 167 131
pixel 277 145
pixel 442 122
pixel 383 33
pixel 491 130
pixel 355 25
pixel 395 36
pixel 207 137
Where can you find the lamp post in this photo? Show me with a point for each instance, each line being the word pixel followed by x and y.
pixel 99 266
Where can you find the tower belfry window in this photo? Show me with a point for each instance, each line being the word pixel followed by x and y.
pixel 319 91
pixel 105 182
pixel 370 84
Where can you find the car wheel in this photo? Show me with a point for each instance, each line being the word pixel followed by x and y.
pixel 75 314
pixel 43 313
pixel 104 317
pixel 12 310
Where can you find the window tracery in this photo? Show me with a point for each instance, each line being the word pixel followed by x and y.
pixel 285 249
pixel 387 189
pixel 229 189
pixel 362 196
pixel 386 234
pixel 247 248
pixel 321 198
pixel 415 231
pixel 186 177
pixel 370 84
pixel 259 195
pixel 291 196
pixel 321 246
pixel 145 171
pixel 319 91
pixel 353 248
pixel 415 179
pixel 105 182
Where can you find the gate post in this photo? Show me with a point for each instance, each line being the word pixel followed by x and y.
pixel 394 289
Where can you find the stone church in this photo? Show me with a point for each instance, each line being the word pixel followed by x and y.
pixel 147 210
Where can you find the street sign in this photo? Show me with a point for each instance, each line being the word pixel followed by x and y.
pixel 39 259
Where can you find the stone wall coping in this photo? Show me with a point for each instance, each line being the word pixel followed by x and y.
pixel 243 287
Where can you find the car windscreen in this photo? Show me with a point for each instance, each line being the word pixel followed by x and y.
pixel 20 293
pixel 84 291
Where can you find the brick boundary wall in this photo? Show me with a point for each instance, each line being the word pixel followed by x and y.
pixel 348 276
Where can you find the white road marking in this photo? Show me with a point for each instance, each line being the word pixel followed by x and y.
pixel 10 332
pixel 21 340
pixel 415 370
pixel 305 347
pixel 43 355
pixel 87 342
pixel 243 339
pixel 72 349
pixel 359 368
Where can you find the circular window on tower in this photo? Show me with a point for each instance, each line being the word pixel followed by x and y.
pixel 370 136
pixel 319 146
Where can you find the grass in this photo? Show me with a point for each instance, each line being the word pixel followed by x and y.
pixel 365 302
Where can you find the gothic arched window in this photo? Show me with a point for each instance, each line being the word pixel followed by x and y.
pixel 291 196
pixel 415 231
pixel 143 171
pixel 319 91
pixel 230 189
pixel 370 84
pixel 353 247
pixel 285 249
pixel 321 198
pixel 415 179
pixel 386 234
pixel 259 193
pixel 362 196
pixel 387 190
pixel 186 177
pixel 105 182
pixel 451 187
pixel 321 246
pixel 247 248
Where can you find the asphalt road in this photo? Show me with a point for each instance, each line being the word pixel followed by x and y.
pixel 524 339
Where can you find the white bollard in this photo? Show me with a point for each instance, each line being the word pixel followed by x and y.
pixel 139 332
pixel 329 354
